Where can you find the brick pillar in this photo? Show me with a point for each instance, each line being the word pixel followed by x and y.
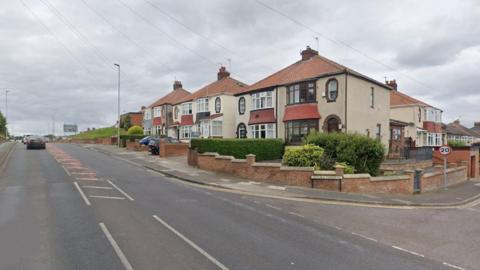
pixel 161 148
pixel 250 159
pixel 339 171
pixel 192 157
pixel 411 175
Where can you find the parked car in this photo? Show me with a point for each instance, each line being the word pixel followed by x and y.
pixel 154 145
pixel 145 140
pixel 35 142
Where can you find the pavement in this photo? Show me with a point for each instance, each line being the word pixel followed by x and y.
pixel 177 167
pixel 68 207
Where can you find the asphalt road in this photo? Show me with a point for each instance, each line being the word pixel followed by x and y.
pixel 73 208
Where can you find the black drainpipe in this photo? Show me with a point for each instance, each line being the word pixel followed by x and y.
pixel 276 111
pixel 346 96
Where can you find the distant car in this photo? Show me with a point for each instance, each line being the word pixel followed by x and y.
pixel 154 145
pixel 145 140
pixel 35 142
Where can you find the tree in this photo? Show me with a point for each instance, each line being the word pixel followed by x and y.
pixel 3 124
pixel 135 130
pixel 125 122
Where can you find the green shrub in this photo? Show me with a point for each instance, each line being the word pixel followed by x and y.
pixel 456 143
pixel 363 153
pixel 308 155
pixel 135 130
pixel 263 149
pixel 347 169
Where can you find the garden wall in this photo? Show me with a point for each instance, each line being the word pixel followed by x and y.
pixel 172 149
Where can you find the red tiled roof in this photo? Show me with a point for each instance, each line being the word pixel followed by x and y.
pixel 301 111
pixel 262 116
pixel 186 120
pixel 313 67
pixel 224 85
pixel 171 98
pixel 157 121
pixel 397 99
pixel 456 128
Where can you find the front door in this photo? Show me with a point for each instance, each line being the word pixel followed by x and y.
pixel 332 125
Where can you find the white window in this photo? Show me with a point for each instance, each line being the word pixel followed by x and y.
pixel 430 139
pixel 202 105
pixel 263 131
pixel 217 128
pixel 157 112
pixel 438 116
pixel 438 139
pixel 147 114
pixel 185 132
pixel 262 100
pixel 186 108
pixel 203 129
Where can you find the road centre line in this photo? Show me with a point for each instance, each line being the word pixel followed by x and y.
pixel 107 197
pixel 409 251
pixel 115 246
pixel 192 244
pixel 120 190
pixel 365 237
pixel 453 266
pixel 273 207
pixel 296 214
pixel 97 187
pixel 82 194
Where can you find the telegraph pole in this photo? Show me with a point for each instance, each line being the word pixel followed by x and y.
pixel 6 113
pixel 118 107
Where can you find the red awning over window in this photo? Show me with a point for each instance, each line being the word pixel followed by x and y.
pixel 157 121
pixel 186 120
pixel 262 117
pixel 301 111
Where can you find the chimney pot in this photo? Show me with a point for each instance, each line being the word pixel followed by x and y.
pixel 457 121
pixel 392 83
pixel 476 124
pixel 177 85
pixel 308 53
pixel 222 73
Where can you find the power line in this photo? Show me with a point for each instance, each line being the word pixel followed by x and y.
pixel 339 42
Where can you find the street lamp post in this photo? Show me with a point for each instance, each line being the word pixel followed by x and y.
pixel 6 113
pixel 118 107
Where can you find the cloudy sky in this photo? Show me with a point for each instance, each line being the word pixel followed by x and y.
pixel 56 57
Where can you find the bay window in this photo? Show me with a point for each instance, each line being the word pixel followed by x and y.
pixel 185 132
pixel 217 128
pixel 262 100
pixel 263 131
pixel 296 130
pixel 202 105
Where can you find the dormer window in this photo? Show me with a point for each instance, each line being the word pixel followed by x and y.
pixel 331 91
pixel 301 93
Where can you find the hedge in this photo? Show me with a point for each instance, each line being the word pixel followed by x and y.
pixel 363 153
pixel 263 149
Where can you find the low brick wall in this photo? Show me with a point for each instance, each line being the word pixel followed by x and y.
pixel 135 146
pixel 172 149
pixel 435 180
pixel 403 165
pixel 364 183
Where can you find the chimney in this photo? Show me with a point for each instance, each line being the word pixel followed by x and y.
pixel 476 124
pixel 222 73
pixel 457 121
pixel 392 83
pixel 308 53
pixel 177 85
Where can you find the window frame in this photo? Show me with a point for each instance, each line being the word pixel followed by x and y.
pixel 240 101
pixel 327 92
pixel 291 128
pixel 157 112
pixel 238 131
pixel 264 100
pixel 268 130
pixel 187 108
pixel 202 105
pixel 296 91
pixel 216 124
pixel 185 130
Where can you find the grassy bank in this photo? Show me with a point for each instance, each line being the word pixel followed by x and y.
pixel 98 133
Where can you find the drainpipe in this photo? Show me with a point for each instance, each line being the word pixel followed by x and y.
pixel 346 96
pixel 276 111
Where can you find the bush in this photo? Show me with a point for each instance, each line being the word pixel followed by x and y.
pixel 263 149
pixel 135 130
pixel 347 169
pixel 308 155
pixel 363 153
pixel 456 143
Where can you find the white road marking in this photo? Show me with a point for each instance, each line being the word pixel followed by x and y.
pixel 453 266
pixel 296 214
pixel 409 251
pixel 81 193
pixel 338 228
pixel 83 173
pixel 66 171
pixel 87 179
pixel 120 190
pixel 192 244
pixel 115 246
pixel 277 187
pixel 97 187
pixel 365 237
pixel 107 197
pixel 274 207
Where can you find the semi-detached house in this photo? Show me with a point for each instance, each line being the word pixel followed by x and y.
pixel 209 112
pixel 313 94
pixel 158 117
pixel 424 121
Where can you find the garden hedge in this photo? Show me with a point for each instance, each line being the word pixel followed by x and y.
pixel 263 149
pixel 363 153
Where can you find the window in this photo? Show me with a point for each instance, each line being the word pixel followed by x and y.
pixel 372 98
pixel 218 105
pixel 378 131
pixel 241 131
pixel 241 105
pixel 332 90
pixel 157 112
pixel 185 132
pixel 438 139
pixel 262 100
pixel 429 115
pixel 147 114
pixel 186 108
pixel 203 129
pixel 296 130
pixel 396 134
pixel 217 128
pixel 176 111
pixel 202 105
pixel 301 93
pixel 438 116
pixel 263 131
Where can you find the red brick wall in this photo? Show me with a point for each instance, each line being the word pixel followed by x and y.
pixel 435 180
pixel 172 149
pixel 136 119
pixel 135 146
pixel 460 154
pixel 365 184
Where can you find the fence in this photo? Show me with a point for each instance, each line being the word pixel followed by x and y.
pixel 417 153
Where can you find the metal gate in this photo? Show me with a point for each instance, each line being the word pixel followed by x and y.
pixel 416 181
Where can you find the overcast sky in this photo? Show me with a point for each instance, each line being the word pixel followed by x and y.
pixel 56 57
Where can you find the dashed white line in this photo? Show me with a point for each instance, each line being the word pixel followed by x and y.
pixel 296 214
pixel 453 266
pixel 273 207
pixel 97 187
pixel 107 197
pixel 120 190
pixel 115 246
pixel 365 237
pixel 192 244
pixel 81 193
pixel 409 251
